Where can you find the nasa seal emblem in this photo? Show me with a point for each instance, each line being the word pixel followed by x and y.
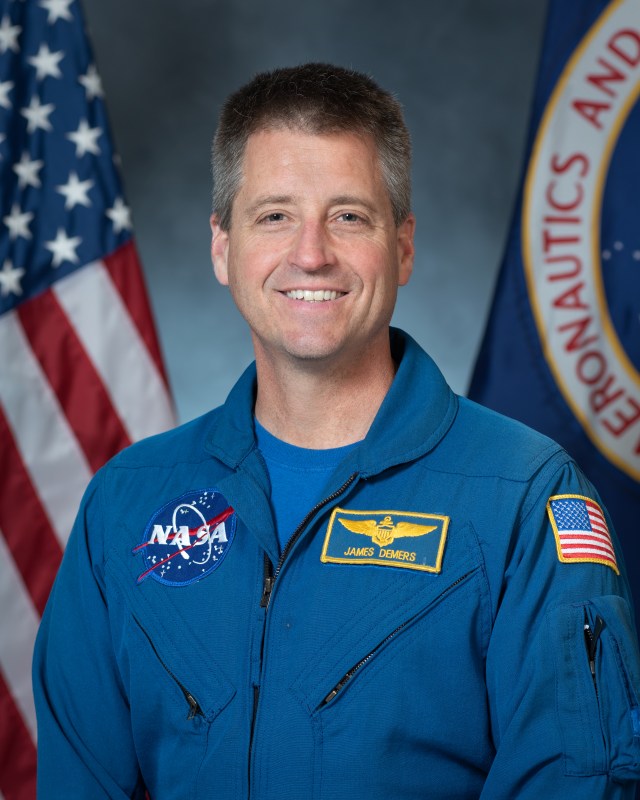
pixel 187 539
pixel 580 235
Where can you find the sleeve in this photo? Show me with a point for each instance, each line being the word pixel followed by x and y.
pixel 85 743
pixel 563 668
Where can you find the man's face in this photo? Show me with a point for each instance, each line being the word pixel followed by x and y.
pixel 313 258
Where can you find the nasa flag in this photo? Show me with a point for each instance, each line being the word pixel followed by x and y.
pixel 562 347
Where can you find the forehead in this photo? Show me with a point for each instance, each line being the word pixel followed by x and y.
pixel 285 155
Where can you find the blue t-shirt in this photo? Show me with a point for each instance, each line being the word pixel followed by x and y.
pixel 298 476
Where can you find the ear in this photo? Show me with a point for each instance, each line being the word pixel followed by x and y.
pixel 406 249
pixel 219 250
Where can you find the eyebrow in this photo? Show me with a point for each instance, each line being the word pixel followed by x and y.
pixel 269 200
pixel 286 199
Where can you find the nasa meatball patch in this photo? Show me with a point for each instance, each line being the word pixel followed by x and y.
pixel 187 539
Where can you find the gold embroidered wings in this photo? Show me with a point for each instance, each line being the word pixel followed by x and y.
pixel 383 533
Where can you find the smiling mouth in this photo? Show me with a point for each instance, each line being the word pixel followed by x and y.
pixel 318 296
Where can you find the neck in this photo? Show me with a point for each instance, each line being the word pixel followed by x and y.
pixel 320 408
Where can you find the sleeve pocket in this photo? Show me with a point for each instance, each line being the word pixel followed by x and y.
pixel 597 687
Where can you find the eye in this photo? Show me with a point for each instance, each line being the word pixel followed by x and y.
pixel 350 216
pixel 275 216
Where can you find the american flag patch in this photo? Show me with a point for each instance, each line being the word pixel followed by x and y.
pixel 581 530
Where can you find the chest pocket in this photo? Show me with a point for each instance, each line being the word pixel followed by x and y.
pixel 386 621
pixel 180 696
pixel 383 703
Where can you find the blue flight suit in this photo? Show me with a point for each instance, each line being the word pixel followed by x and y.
pixel 430 630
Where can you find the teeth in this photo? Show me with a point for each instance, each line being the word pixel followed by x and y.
pixel 309 296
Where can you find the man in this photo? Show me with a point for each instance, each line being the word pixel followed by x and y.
pixel 347 582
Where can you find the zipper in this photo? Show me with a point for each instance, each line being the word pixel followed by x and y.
pixel 591 638
pixel 269 578
pixel 256 695
pixel 348 675
pixel 194 706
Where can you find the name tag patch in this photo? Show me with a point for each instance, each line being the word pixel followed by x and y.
pixel 388 538
pixel 187 538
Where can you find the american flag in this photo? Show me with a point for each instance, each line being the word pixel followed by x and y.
pixel 81 374
pixel 581 530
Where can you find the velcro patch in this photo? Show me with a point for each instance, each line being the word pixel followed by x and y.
pixel 581 531
pixel 387 538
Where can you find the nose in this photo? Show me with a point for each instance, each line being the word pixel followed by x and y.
pixel 311 249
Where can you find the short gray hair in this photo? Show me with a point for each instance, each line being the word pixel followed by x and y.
pixel 318 99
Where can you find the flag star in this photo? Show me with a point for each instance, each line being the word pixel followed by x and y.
pixel 9 35
pixel 63 248
pixel 85 139
pixel 57 9
pixel 27 172
pixel 18 223
pixel 5 88
pixel 46 63
pixel 75 191
pixel 10 279
pixel 37 115
pixel 92 83
pixel 120 215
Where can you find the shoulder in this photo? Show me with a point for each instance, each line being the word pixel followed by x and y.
pixel 490 444
pixel 181 445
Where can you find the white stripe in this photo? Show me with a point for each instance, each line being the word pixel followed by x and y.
pixel 586 548
pixel 601 537
pixel 598 525
pixel 49 449
pixel 583 551
pixel 577 540
pixel 17 636
pixel 97 312
pixel 584 541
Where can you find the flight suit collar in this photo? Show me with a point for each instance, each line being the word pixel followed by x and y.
pixel 415 415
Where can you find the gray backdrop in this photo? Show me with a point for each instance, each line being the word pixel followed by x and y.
pixel 464 71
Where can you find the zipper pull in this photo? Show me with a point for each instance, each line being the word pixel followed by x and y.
pixel 267 584
pixel 336 689
pixel 194 706
pixel 591 639
pixel 266 591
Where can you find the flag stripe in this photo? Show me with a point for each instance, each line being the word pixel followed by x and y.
pixel 17 751
pixel 83 400
pixel 577 544
pixel 28 533
pixel 49 448
pixel 124 268
pixel 97 312
pixel 588 551
pixel 17 638
pixel 593 536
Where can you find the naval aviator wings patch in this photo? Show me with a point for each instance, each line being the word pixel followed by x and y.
pixel 388 538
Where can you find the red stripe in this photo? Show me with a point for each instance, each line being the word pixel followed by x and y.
pixel 572 551
pixel 17 751
pixel 29 535
pixel 604 557
pixel 582 550
pixel 124 268
pixel 73 378
pixel 591 537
